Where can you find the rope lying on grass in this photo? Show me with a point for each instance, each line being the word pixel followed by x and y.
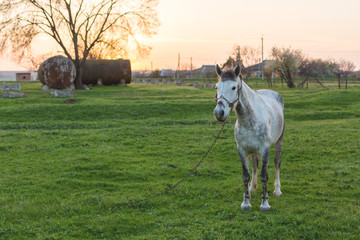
pixel 185 177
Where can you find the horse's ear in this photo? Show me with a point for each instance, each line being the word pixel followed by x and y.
pixel 218 70
pixel 237 70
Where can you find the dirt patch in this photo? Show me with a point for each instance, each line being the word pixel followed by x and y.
pixel 71 101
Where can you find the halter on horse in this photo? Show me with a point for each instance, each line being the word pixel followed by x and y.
pixel 260 124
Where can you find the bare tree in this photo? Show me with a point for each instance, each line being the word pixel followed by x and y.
pixel 336 71
pixel 249 55
pixel 104 50
pixel 287 62
pixel 33 62
pixel 186 66
pixel 269 69
pixel 243 56
pixel 79 27
pixel 346 68
pixel 315 68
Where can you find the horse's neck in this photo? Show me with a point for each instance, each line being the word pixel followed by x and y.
pixel 245 106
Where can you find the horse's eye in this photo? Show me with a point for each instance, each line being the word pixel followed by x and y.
pixel 233 88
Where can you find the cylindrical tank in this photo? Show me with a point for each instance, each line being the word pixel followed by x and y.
pixel 109 72
pixel 57 72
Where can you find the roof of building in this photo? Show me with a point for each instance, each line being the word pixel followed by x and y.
pixel 257 66
pixel 206 68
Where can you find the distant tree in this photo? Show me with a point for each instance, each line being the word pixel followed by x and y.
pixel 106 51
pixel 249 55
pixel 155 73
pixel 314 68
pixel 336 71
pixel 269 69
pixel 33 61
pixel 186 67
pixel 230 63
pixel 346 68
pixel 305 67
pixel 287 62
pixel 342 69
pixel 244 56
pixel 329 69
pixel 237 54
pixel 80 28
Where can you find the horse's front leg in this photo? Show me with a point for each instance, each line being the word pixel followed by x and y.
pixel 264 179
pixel 246 178
pixel 277 161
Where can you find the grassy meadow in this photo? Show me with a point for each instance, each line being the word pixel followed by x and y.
pixel 63 167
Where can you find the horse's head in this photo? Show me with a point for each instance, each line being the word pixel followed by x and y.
pixel 228 89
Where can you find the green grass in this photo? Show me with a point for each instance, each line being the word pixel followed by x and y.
pixel 63 167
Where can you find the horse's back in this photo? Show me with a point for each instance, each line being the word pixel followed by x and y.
pixel 270 95
pixel 275 111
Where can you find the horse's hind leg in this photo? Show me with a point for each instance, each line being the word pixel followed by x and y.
pixel 255 164
pixel 264 179
pixel 277 161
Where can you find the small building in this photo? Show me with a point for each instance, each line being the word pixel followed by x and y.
pixel 24 76
pixel 206 71
pixel 255 70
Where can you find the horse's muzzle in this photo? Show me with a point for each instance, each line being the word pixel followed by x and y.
pixel 219 114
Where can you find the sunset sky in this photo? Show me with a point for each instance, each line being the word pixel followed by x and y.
pixel 207 30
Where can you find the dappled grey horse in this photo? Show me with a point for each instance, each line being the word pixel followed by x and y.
pixel 259 124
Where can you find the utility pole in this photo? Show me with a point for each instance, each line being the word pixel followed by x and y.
pixel 262 57
pixel 152 73
pixel 191 67
pixel 178 67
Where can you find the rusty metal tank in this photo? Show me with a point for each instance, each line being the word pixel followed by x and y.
pixel 57 72
pixel 109 72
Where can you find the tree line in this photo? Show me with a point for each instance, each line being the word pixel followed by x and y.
pixel 288 63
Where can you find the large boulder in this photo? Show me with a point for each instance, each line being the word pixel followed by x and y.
pixel 57 72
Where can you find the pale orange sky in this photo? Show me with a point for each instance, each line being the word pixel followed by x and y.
pixel 207 30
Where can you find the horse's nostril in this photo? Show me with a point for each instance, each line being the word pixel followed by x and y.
pixel 221 113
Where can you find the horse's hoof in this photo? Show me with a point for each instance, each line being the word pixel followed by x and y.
pixel 277 193
pixel 264 207
pixel 245 206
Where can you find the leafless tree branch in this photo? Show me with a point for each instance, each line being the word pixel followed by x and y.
pixel 77 26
